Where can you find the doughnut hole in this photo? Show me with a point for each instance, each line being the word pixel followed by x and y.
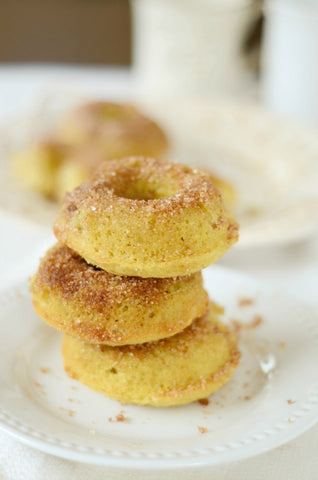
pixel 144 217
pixel 144 190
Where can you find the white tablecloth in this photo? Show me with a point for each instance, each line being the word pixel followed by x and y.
pixel 293 269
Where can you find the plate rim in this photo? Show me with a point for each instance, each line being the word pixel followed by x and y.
pixel 279 433
pixel 250 236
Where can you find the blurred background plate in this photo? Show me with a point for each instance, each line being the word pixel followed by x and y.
pixel 271 162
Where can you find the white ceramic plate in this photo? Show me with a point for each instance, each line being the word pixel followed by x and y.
pixel 272 398
pixel 271 162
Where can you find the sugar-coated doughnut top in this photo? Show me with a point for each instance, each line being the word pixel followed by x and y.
pixel 145 182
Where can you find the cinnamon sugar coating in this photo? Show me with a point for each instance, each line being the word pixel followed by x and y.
pixel 140 216
pixel 115 129
pixel 92 133
pixel 93 305
pixel 183 368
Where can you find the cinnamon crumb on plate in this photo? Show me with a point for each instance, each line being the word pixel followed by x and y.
pixel 119 418
pixel 244 302
pixel 69 412
pixel 237 325
pixel 44 370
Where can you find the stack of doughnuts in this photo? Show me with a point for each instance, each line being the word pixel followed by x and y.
pixel 124 283
pixel 87 136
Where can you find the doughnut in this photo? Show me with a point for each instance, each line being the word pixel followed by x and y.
pixel 98 307
pixel 74 171
pixel 116 129
pixel 83 161
pixel 92 133
pixel 79 165
pixel 142 217
pixel 174 371
pixel 76 168
pixel 37 165
pixel 228 191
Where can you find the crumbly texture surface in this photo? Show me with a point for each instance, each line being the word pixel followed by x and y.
pixel 98 307
pixel 149 218
pixel 181 369
pixel 115 129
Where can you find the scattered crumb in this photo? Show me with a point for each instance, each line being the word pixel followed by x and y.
pixel 238 326
pixel 119 418
pixel 245 385
pixel 244 302
pixel 69 412
pixel 73 400
pixel 257 320
pixel 218 403
pixel 44 370
pixel 202 429
pixel 204 401
pixel 247 397
pixel 282 345
pixel 253 212
pixel 40 387
pixel 74 387
pixel 289 420
pixel 290 401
